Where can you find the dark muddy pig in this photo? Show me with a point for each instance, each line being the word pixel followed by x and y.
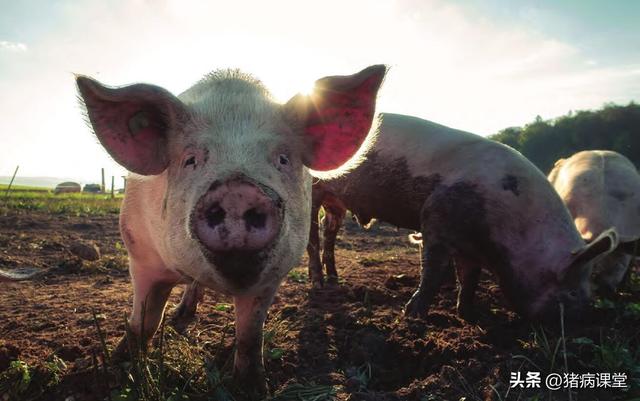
pixel 220 188
pixel 601 189
pixel 475 202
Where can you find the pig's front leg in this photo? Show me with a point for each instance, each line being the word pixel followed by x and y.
pixel 185 312
pixel 248 367
pixel 151 289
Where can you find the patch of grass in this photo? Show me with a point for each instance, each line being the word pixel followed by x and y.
pixel 298 275
pixel 612 349
pixel 23 382
pixel 632 310
pixel 23 188
pixel 360 377
pixel 223 307
pixel 275 329
pixel 176 369
pixel 76 204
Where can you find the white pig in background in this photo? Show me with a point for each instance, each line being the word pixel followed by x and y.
pixel 220 188
pixel 601 189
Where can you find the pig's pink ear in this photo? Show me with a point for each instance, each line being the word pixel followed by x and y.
pixel 337 116
pixel 132 122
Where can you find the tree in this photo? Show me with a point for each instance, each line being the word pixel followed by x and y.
pixel 543 142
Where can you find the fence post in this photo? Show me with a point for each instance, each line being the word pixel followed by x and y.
pixel 11 182
pixel 103 188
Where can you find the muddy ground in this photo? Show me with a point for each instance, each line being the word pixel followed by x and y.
pixel 353 336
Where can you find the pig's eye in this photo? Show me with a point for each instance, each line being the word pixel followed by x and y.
pixel 283 160
pixel 191 161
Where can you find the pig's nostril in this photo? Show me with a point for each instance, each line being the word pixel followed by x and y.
pixel 215 215
pixel 254 219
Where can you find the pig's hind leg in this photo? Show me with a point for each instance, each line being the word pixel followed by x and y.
pixel 468 274
pixel 185 313
pixel 435 262
pixel 445 221
pixel 333 218
pixel 313 246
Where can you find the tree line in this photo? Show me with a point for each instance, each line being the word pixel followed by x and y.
pixel 613 127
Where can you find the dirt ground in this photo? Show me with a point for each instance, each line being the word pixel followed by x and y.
pixel 353 335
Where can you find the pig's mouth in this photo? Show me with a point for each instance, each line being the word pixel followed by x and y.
pixel 240 267
pixel 236 224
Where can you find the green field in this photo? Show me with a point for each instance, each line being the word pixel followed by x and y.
pixel 29 199
pixel 3 188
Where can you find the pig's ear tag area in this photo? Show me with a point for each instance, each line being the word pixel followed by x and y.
pixel 337 116
pixel 604 244
pixel 132 122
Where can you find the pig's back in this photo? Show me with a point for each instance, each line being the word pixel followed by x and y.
pixel 412 157
pixel 521 205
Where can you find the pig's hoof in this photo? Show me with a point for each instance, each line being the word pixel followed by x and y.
pixel 416 308
pixel 254 386
pixel 121 352
pixel 180 321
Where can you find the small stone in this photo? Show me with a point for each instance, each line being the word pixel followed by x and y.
pixel 85 251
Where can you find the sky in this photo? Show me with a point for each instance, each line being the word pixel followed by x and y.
pixel 480 66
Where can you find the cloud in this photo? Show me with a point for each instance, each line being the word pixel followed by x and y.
pixel 13 46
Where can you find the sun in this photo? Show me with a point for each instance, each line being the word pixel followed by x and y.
pixel 307 88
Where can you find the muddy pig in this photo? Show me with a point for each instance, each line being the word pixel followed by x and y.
pixel 220 188
pixel 601 189
pixel 475 202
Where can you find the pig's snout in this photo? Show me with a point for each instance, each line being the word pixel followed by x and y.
pixel 237 216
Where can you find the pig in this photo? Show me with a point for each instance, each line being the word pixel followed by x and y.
pixel 473 201
pixel 601 189
pixel 219 190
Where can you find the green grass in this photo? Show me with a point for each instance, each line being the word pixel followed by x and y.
pixel 3 188
pixel 609 349
pixel 298 275
pixel 23 382
pixel 172 370
pixel 77 204
pixel 177 369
